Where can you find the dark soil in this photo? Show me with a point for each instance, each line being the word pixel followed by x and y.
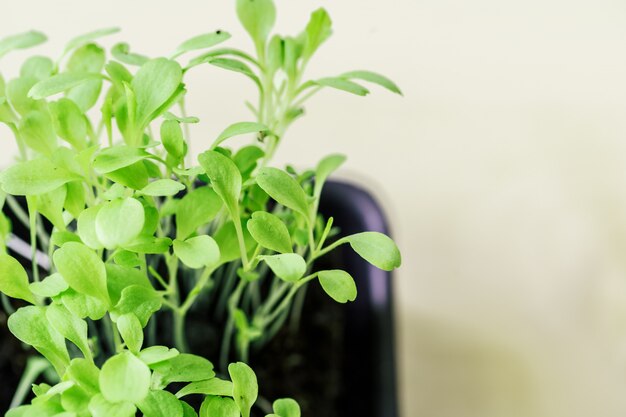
pixel 12 362
pixel 306 365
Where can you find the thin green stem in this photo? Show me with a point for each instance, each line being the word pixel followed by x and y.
pixel 195 292
pixel 242 242
pixel 32 214
pixel 328 249
pixel 180 339
pixel 35 366
pixel 233 301
pixel 286 302
pixel 20 142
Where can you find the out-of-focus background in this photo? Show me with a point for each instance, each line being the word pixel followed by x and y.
pixel 502 170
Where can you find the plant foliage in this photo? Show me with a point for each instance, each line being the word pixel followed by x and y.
pixel 124 224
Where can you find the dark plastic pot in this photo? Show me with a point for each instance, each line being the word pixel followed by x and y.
pixel 369 354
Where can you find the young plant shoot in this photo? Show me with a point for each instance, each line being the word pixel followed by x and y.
pixel 128 234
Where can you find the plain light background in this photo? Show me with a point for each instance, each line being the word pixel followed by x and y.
pixel 503 171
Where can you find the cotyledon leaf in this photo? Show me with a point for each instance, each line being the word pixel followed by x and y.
pixel 14 280
pixel 37 176
pixel 82 269
pixel 21 41
pixel 284 189
pixel 60 83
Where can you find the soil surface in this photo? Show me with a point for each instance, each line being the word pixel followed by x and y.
pixel 306 365
pixel 12 362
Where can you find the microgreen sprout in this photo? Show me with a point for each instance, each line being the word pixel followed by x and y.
pixel 125 231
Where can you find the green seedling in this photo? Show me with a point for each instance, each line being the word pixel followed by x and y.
pixel 131 229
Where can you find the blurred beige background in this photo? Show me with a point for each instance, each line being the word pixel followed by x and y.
pixel 503 170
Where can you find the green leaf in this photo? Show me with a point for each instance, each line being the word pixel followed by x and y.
pixel 338 284
pixel 317 31
pixel 161 404
pixel 118 73
pixel 177 97
pixel 286 407
pixel 197 252
pixel 275 54
pixel 131 331
pixel 245 387
pixel 225 179
pixel 126 258
pixel 179 119
pixel 240 128
pixel 82 305
pixel 140 301
pixel 69 326
pixel 258 18
pixel 46 393
pixel 163 187
pixel 75 198
pixel 81 40
pixel 71 400
pixel 172 139
pixel 156 354
pixel 100 407
pixel 184 368
pixel 149 245
pixel 284 189
pixel 86 226
pixel 37 67
pixel 121 52
pixel 37 131
pixel 326 167
pixel 120 277
pixel 236 66
pixel 21 41
pixel 85 374
pixel 213 386
pixel 60 238
pixel 376 248
pixel 114 192
pixel 124 378
pixel 119 222
pixel 155 82
pixel 188 411
pixel 292 52
pixel 14 280
pixel 226 238
pixel 151 222
pixel 287 266
pixel 373 78
pixel 196 209
pixel 17 95
pixel 60 83
pixel 342 84
pixel 70 123
pixel 213 406
pixel 206 57
pixel 117 157
pixel 82 269
pixel 19 411
pixel 203 41
pixel 134 176
pixel 31 326
pixel 270 232
pixel 89 58
pixel 246 159
pixel 74 399
pixel 50 286
pixel 50 205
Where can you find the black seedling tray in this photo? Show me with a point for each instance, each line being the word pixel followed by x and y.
pixel 369 354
